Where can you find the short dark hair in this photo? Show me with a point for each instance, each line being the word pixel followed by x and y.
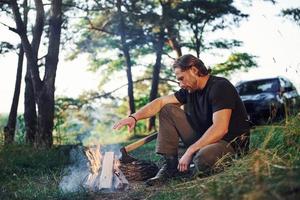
pixel 185 62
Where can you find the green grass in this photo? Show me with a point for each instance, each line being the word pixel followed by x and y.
pixel 3 120
pixel 270 171
pixel 30 174
pixel 147 152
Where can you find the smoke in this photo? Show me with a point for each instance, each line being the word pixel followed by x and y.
pixel 93 128
pixel 78 175
pixel 75 174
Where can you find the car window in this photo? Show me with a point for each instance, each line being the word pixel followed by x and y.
pixel 259 86
pixel 288 86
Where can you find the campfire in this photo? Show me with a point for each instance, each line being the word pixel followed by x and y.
pixel 104 171
pixel 107 172
pixel 95 170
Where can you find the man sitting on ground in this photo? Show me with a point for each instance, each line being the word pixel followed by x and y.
pixel 213 124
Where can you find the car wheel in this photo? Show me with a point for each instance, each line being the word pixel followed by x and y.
pixel 273 110
pixel 281 114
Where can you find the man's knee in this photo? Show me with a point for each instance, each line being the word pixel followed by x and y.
pixel 167 109
pixel 206 159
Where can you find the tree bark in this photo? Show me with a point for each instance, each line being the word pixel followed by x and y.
pixel 31 58
pixel 172 32
pixel 127 58
pixel 45 100
pixel 9 129
pixel 173 43
pixel 158 45
pixel 198 35
pixel 155 76
pixel 30 115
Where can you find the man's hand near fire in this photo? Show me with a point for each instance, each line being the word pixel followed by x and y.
pixel 146 111
pixel 129 121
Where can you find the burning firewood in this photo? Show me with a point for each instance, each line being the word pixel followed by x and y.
pixel 94 157
pixel 107 176
pixel 106 172
pixel 120 181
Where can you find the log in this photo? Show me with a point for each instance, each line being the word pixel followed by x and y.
pixel 94 157
pixel 94 161
pixel 120 181
pixel 106 178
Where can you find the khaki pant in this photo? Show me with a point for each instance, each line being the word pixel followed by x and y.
pixel 172 125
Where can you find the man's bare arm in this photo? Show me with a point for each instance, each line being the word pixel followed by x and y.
pixel 154 107
pixel 147 111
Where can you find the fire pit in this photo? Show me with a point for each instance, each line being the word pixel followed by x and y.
pixel 107 173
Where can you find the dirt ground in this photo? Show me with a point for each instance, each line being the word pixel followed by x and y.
pixel 136 191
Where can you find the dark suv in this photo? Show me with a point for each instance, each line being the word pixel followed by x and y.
pixel 267 100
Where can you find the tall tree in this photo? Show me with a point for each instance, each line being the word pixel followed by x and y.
pixel 125 50
pixel 9 129
pixel 201 14
pixel 111 25
pixel 160 38
pixel 30 114
pixel 158 45
pixel 43 89
pixel 169 12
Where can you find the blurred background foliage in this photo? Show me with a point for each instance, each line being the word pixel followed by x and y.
pixel 134 43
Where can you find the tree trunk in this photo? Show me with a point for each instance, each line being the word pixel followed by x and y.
pixel 173 36
pixel 9 130
pixel 197 42
pixel 45 97
pixel 155 77
pixel 198 35
pixel 45 118
pixel 173 43
pixel 127 58
pixel 130 82
pixel 172 32
pixel 30 116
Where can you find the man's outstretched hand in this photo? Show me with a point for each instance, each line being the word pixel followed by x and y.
pixel 129 121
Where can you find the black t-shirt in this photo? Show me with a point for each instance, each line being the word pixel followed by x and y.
pixel 217 94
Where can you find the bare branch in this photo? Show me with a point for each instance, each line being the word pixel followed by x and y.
pixel 10 28
pixel 38 27
pixel 42 57
pixel 26 45
pixel 97 28
pixel 5 1
pixel 108 94
pixel 169 56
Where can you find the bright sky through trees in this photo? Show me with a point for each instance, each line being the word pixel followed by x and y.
pixel 274 39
